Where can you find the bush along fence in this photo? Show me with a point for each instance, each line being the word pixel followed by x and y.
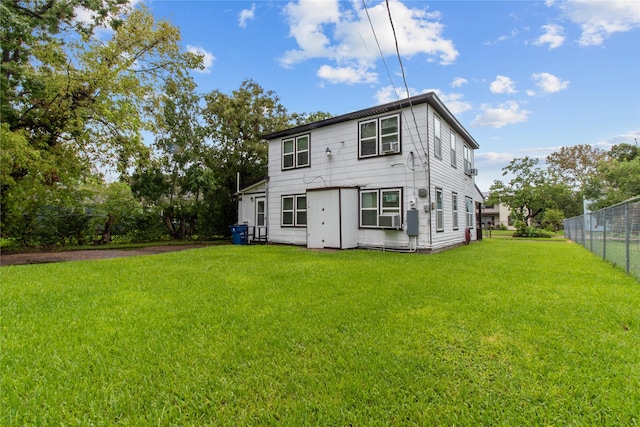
pixel 612 233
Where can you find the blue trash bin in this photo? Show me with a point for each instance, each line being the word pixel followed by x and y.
pixel 239 234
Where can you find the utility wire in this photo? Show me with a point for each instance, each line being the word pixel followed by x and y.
pixel 404 79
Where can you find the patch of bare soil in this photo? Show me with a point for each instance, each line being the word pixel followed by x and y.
pixel 63 256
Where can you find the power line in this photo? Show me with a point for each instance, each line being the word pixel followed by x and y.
pixel 404 79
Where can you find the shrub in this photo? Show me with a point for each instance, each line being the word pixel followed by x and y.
pixel 523 230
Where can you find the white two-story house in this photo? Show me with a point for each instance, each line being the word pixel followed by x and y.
pixel 399 176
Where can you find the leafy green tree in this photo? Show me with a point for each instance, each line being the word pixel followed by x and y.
pixel 115 211
pixel 176 178
pixel 617 182
pixel 553 219
pixel 530 191
pixel 72 102
pixel 576 165
pixel 236 124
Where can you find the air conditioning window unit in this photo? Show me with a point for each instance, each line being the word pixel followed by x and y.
pixel 473 172
pixel 390 147
pixel 389 221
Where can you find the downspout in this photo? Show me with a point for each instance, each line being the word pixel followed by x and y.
pixel 428 176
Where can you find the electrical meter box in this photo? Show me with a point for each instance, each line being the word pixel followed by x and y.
pixel 412 222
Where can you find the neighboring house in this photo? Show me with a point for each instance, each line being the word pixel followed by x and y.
pixel 498 215
pixel 399 176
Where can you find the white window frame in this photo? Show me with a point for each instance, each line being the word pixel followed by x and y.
pixel 379 137
pixel 468 159
pixel 297 151
pixel 382 207
pixel 295 211
pixel 439 209
pixel 437 136
pixel 453 151
pixel 454 208
pixel 468 205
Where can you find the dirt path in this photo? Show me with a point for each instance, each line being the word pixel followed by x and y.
pixel 62 256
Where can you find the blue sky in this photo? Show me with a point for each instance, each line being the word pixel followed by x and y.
pixel 524 77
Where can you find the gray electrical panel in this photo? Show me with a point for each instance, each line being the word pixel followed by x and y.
pixel 412 222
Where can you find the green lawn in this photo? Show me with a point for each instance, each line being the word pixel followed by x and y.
pixel 501 332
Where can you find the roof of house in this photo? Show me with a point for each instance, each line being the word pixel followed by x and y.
pixel 427 98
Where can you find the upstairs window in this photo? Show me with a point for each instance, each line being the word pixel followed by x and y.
pixel 452 143
pixel 468 160
pixel 437 137
pixel 295 152
pixel 379 137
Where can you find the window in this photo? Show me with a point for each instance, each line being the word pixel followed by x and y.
pixel 452 142
pixel 454 202
pixel 385 202
pixel 468 160
pixel 379 137
pixel 439 210
pixel 469 211
pixel 437 135
pixel 294 211
pixel 295 152
pixel 260 212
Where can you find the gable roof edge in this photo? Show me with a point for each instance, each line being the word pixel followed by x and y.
pixel 429 98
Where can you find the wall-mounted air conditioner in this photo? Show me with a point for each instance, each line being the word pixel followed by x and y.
pixel 389 221
pixel 390 147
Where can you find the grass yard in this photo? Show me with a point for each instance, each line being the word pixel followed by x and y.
pixel 502 332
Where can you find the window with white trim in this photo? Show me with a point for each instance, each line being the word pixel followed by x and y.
pixel 468 203
pixel 379 137
pixel 452 144
pixel 294 211
pixel 468 160
pixel 454 209
pixel 439 210
pixel 437 137
pixel 295 152
pixel 380 202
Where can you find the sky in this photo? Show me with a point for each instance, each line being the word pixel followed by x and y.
pixel 523 77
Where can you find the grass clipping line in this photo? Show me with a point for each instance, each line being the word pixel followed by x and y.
pixel 499 332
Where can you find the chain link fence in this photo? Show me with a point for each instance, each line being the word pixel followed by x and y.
pixel 612 233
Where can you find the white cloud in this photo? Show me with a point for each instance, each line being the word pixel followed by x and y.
pixel 599 19
pixel 459 81
pixel 322 30
pixel 549 83
pixel 347 75
pixel 390 94
pixel 630 137
pixel 492 157
pixel 553 36
pixel 453 101
pixel 246 15
pixel 502 84
pixel 207 58
pixel 504 114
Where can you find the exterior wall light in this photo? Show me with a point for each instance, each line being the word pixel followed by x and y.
pixel 328 152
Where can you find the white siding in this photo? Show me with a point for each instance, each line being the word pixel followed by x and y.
pixel 450 180
pixel 403 170
pixel 246 203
